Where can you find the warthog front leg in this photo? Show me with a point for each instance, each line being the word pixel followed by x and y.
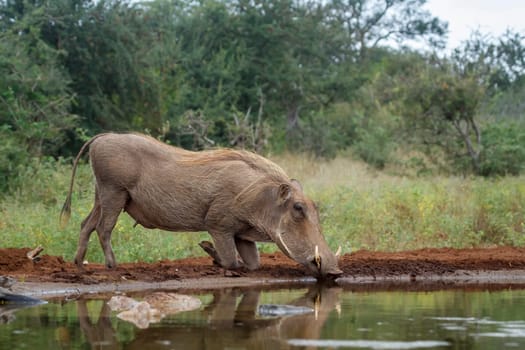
pixel 248 252
pixel 223 251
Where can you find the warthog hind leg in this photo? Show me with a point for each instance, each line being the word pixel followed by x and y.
pixel 86 228
pixel 112 204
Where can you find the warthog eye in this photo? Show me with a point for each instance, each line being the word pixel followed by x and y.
pixel 299 208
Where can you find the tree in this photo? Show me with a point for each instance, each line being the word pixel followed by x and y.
pixel 360 33
pixel 237 54
pixel 34 96
pixel 499 62
pixel 289 52
pixel 440 110
pixel 370 23
pixel 104 46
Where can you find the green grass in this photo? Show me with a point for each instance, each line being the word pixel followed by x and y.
pixel 391 213
pixel 360 209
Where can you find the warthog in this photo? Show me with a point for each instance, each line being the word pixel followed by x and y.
pixel 238 197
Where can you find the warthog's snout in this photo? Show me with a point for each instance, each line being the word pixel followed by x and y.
pixel 324 266
pixel 320 263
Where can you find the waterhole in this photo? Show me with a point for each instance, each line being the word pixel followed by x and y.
pixel 310 316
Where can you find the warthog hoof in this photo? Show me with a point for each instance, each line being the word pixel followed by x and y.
pixel 80 266
pixel 208 247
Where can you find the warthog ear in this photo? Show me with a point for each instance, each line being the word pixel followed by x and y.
pixel 297 184
pixel 284 192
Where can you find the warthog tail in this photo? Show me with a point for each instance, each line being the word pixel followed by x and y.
pixel 65 213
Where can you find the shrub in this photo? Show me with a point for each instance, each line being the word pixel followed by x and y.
pixel 503 151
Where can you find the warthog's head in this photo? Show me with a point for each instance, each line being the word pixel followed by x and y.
pixel 283 212
pixel 298 233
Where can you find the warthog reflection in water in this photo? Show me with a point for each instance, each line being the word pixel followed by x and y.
pixel 231 320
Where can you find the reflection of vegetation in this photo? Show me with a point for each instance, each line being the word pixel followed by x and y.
pixel 57 326
pixel 413 315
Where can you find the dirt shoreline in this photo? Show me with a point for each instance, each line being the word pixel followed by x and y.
pixel 425 269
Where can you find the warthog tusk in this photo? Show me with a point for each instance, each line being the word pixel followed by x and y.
pixel 338 252
pixel 338 309
pixel 317 257
pixel 284 245
pixel 317 305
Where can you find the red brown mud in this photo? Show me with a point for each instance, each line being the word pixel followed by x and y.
pixel 360 265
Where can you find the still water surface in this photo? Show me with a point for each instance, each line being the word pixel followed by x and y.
pixel 229 319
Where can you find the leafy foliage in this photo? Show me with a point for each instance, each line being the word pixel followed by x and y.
pixel 271 76
pixel 503 150
pixel 441 105
pixel 34 98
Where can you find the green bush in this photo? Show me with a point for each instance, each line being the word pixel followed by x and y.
pixel 503 151
pixel 374 146
pixel 12 155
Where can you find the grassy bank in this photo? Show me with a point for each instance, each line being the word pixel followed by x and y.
pixel 360 208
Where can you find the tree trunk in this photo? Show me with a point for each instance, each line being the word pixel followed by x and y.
pixel 292 119
pixel 473 151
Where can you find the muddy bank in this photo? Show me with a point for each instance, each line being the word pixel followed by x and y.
pixel 426 268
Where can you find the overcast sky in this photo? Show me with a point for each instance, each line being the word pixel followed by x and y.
pixel 489 16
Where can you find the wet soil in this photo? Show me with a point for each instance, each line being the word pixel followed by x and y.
pixel 424 264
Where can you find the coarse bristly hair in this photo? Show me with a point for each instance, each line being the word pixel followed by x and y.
pixel 253 160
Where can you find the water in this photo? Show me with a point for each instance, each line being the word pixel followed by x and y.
pixel 340 318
